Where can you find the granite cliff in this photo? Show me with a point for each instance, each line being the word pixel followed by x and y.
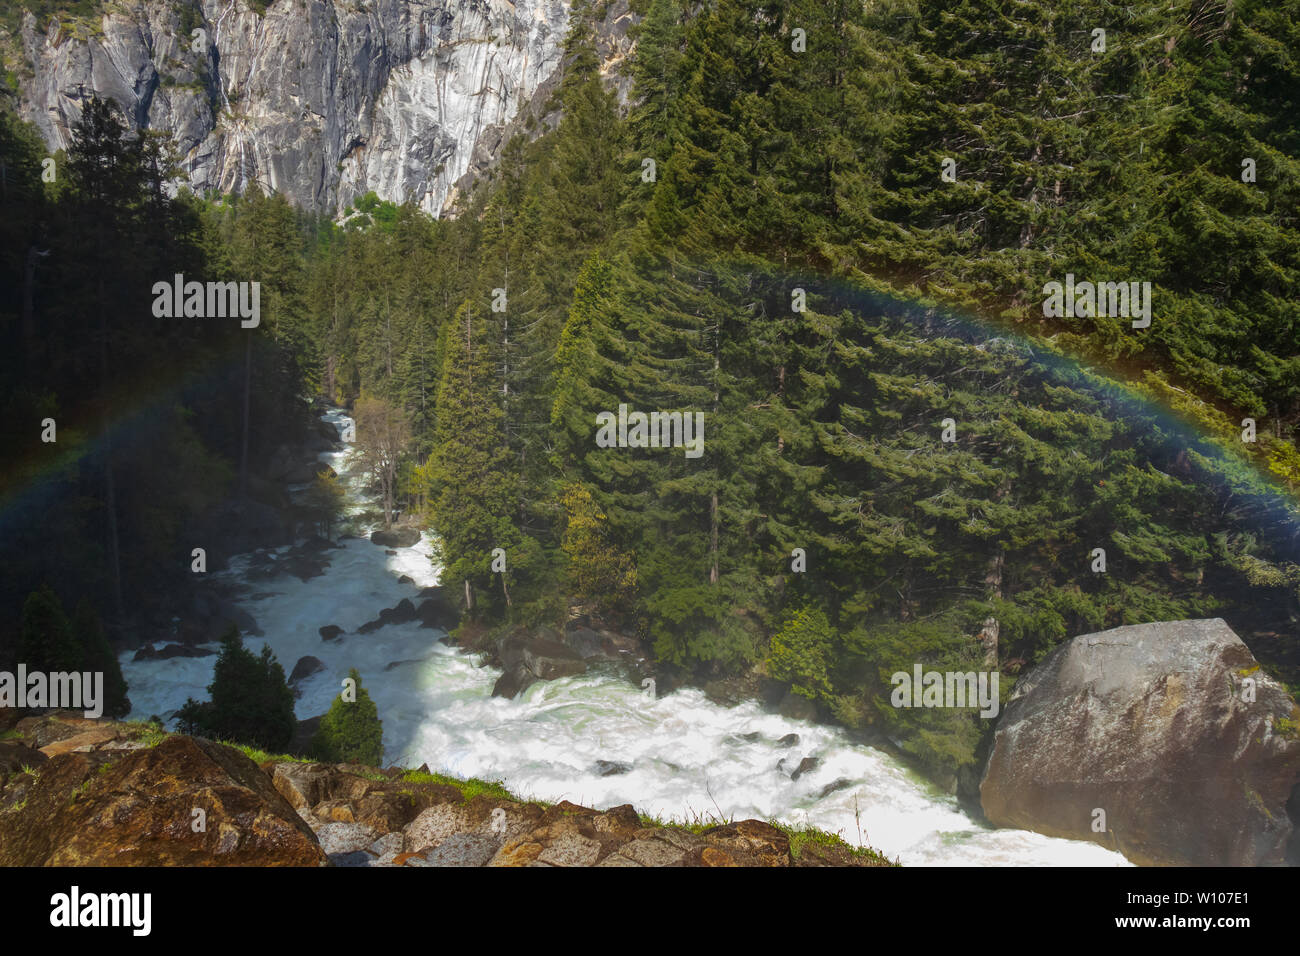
pixel 324 100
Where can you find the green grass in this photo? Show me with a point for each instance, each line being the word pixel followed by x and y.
pixel 801 838
pixel 469 789
pixel 9 735
pixel 259 756
pixel 696 826
pixel 80 789
pixel 149 734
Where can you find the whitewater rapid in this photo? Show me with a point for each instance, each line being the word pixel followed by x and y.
pixel 689 758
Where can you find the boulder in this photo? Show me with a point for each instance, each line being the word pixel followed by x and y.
pixel 327 431
pixel 137 811
pixel 590 640
pixel 396 537
pixel 549 659
pixel 305 667
pixel 338 838
pixel 302 784
pixel 806 765
pixel 179 650
pixel 611 768
pixel 330 632
pixel 83 742
pixel 315 544
pixel 302 566
pixel 403 613
pixel 513 682
pixel 463 849
pixel 1155 725
pixel 437 610
pixel 842 783
pixel 747 843
pixel 389 811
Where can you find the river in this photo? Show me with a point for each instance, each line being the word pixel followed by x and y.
pixel 688 757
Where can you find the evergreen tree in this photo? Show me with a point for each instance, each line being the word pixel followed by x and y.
pixel 99 657
pixel 46 639
pixel 250 701
pixel 474 507
pixel 351 731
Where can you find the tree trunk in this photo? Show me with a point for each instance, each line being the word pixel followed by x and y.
pixel 29 311
pixel 243 450
pixel 780 392
pixel 989 632
pixel 713 539
pixel 110 488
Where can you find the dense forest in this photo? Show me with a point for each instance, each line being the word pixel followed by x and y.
pixel 826 227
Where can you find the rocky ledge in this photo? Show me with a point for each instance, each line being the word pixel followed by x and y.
pixel 78 792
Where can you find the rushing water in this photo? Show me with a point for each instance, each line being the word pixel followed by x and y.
pixel 689 758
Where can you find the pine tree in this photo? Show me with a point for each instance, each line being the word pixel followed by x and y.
pixel 99 657
pixel 250 701
pixel 351 731
pixel 46 639
pixel 474 507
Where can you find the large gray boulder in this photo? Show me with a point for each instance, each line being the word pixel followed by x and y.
pixel 1155 725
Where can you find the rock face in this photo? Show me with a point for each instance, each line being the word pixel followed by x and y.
pixel 83 810
pixel 324 100
pixel 1153 725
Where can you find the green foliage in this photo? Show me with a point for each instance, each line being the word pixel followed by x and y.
pixel 46 641
pixel 597 572
pixel 99 657
pixel 820 171
pixel 351 731
pixel 801 653
pixel 250 701
pixel 324 501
